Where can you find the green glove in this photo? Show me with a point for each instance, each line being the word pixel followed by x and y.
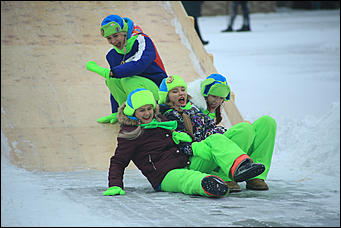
pixel 112 118
pixel 181 137
pixel 92 66
pixel 112 191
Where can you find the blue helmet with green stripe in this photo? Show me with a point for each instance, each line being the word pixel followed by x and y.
pixel 113 24
pixel 216 85
pixel 136 99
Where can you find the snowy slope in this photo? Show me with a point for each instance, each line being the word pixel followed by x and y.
pixel 287 67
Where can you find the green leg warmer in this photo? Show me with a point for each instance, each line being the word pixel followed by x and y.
pixel 216 150
pixel 185 181
pixel 241 134
pixel 263 145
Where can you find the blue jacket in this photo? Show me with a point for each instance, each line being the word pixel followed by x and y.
pixel 142 60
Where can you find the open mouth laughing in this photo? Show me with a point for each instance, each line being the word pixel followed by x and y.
pixel 182 101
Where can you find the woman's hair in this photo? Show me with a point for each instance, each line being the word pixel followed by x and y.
pixel 218 117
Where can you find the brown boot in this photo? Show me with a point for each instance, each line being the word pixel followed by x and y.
pixel 257 184
pixel 233 186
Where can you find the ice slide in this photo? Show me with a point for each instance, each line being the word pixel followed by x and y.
pixel 50 102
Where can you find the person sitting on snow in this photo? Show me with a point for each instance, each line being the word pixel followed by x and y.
pixel 257 139
pixel 133 59
pixel 155 147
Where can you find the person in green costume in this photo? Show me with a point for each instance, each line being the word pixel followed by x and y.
pixel 257 139
pixel 157 149
pixel 134 62
pixel 214 91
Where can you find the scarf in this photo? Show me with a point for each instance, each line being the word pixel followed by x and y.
pixel 169 125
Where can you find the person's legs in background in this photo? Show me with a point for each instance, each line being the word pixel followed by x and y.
pixel 193 8
pixel 246 18
pixel 196 26
pixel 233 14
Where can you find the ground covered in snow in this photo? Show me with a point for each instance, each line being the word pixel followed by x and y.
pixel 288 67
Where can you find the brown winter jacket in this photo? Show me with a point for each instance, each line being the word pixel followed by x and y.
pixel 154 153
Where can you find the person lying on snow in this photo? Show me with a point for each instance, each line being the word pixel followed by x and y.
pixel 257 139
pixel 151 141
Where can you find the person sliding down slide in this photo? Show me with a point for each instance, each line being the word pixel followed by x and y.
pixel 133 59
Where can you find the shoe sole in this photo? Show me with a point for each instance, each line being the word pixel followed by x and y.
pixel 232 190
pixel 257 189
pixel 214 186
pixel 253 172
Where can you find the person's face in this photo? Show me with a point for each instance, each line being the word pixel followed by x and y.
pixel 117 39
pixel 213 102
pixel 178 96
pixel 145 113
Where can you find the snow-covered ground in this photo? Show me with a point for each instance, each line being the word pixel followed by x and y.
pixel 288 67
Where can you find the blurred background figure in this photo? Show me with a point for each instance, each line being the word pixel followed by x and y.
pixel 233 14
pixel 193 8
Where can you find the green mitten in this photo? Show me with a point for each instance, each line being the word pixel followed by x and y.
pixel 112 191
pixel 181 137
pixel 112 118
pixel 92 66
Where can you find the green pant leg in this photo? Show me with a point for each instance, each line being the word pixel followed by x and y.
pixel 205 165
pixel 219 149
pixel 185 181
pixel 220 173
pixel 262 148
pixel 242 134
pixel 134 82
pixel 116 89
pixel 202 165
pixel 121 87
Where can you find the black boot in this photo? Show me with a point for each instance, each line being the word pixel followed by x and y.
pixel 246 170
pixel 214 186
pixel 229 29
pixel 244 28
pixel 204 42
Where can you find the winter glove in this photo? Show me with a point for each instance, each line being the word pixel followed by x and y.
pixel 112 118
pixel 181 137
pixel 92 66
pixel 112 191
